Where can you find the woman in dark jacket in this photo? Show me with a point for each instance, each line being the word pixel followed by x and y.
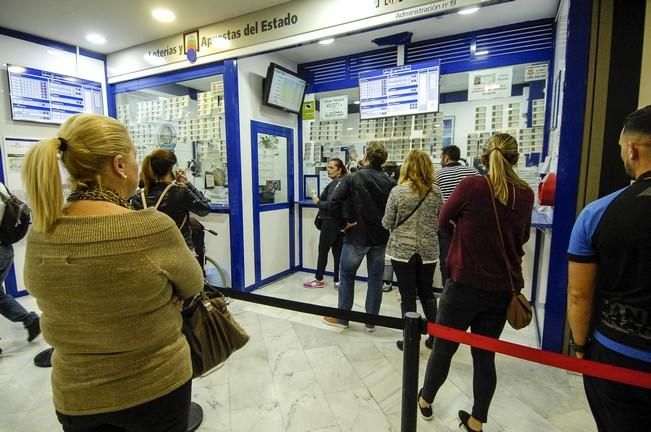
pixel 180 196
pixel 331 226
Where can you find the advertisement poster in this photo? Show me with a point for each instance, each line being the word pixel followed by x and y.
pixel 535 71
pixel 490 83
pixel 307 111
pixel 333 108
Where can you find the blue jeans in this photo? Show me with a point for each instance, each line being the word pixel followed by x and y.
pixel 351 258
pixel 9 307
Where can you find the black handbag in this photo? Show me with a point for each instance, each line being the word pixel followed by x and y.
pixel 211 331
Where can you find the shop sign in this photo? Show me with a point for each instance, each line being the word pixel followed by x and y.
pixel 535 71
pixel 291 19
pixel 333 108
pixel 490 83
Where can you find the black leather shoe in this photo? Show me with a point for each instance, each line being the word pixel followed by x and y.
pixel 196 417
pixel 426 413
pixel 33 330
pixel 44 358
pixel 464 417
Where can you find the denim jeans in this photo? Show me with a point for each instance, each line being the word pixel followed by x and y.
pixel 484 312
pixel 9 307
pixel 351 258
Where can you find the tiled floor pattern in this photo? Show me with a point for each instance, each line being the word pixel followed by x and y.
pixel 297 374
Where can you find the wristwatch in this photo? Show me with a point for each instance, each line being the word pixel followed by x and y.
pixel 576 347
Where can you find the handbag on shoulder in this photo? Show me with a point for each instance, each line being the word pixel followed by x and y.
pixel 519 311
pixel 211 331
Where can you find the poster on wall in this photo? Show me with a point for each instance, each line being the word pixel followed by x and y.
pixel 490 83
pixel 307 110
pixel 333 108
pixel 13 155
pixel 535 71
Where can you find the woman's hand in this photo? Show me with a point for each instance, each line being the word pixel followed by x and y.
pixel 181 177
pixel 178 302
pixel 315 198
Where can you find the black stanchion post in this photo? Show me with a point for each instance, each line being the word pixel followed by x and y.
pixel 411 348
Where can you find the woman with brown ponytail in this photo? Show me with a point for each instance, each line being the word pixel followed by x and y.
pixel 108 280
pixel 479 288
pixel 178 197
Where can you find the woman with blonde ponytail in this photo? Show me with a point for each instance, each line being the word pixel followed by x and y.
pixel 108 280
pixel 479 288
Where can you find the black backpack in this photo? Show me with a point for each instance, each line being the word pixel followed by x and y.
pixel 15 220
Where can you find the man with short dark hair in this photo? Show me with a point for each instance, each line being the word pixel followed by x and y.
pixel 609 285
pixel 366 192
pixel 448 177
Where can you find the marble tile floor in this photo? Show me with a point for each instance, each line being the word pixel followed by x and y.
pixel 298 374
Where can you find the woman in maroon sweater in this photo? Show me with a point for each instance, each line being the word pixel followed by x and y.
pixel 478 291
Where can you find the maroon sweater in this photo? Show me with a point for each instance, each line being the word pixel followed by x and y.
pixel 475 257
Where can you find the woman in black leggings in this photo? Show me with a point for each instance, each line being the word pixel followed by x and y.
pixel 482 272
pixel 331 236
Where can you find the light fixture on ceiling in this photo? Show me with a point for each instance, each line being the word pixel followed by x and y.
pixel 95 38
pixel 349 128
pixel 468 11
pixel 356 102
pixel 163 15
pixel 326 41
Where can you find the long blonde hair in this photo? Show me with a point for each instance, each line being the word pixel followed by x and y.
pixel 86 143
pixel 418 171
pixel 502 153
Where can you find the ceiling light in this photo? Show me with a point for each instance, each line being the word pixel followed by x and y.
pixel 349 128
pixel 95 38
pixel 356 102
pixel 481 53
pixel 163 15
pixel 326 41
pixel 468 11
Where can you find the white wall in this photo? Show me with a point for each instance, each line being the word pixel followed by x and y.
pixel 29 54
pixel 251 71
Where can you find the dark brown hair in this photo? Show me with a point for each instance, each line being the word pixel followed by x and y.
pixel 157 164
pixel 340 165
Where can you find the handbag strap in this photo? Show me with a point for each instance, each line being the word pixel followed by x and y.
pixel 499 230
pixel 414 210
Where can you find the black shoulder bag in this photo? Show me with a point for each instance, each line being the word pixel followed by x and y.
pixel 406 218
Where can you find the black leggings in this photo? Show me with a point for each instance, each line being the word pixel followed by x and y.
pixel 330 237
pixel 416 278
pixel 485 313
pixel 168 413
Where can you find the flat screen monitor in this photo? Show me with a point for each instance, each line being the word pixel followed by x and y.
pixel 283 89
pixel 48 97
pixel 403 90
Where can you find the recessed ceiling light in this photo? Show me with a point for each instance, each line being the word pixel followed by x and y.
pixel 163 15
pixel 95 38
pixel 349 128
pixel 356 102
pixel 468 11
pixel 326 41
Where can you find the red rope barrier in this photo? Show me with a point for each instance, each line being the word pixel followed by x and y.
pixel 585 367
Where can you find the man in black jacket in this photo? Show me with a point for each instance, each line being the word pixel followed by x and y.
pixel 366 192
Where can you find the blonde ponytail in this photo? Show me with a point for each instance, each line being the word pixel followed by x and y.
pixel 43 183
pixel 502 155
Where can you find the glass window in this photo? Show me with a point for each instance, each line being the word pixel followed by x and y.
pixel 188 118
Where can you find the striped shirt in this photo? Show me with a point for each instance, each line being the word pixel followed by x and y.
pixel 451 175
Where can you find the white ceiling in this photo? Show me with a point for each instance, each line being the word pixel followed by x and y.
pixel 126 23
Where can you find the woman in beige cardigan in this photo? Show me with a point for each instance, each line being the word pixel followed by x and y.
pixel 108 281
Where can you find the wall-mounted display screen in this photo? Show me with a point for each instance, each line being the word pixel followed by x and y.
pixel 402 90
pixel 47 97
pixel 283 89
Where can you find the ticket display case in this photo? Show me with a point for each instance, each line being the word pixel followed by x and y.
pixel 188 118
